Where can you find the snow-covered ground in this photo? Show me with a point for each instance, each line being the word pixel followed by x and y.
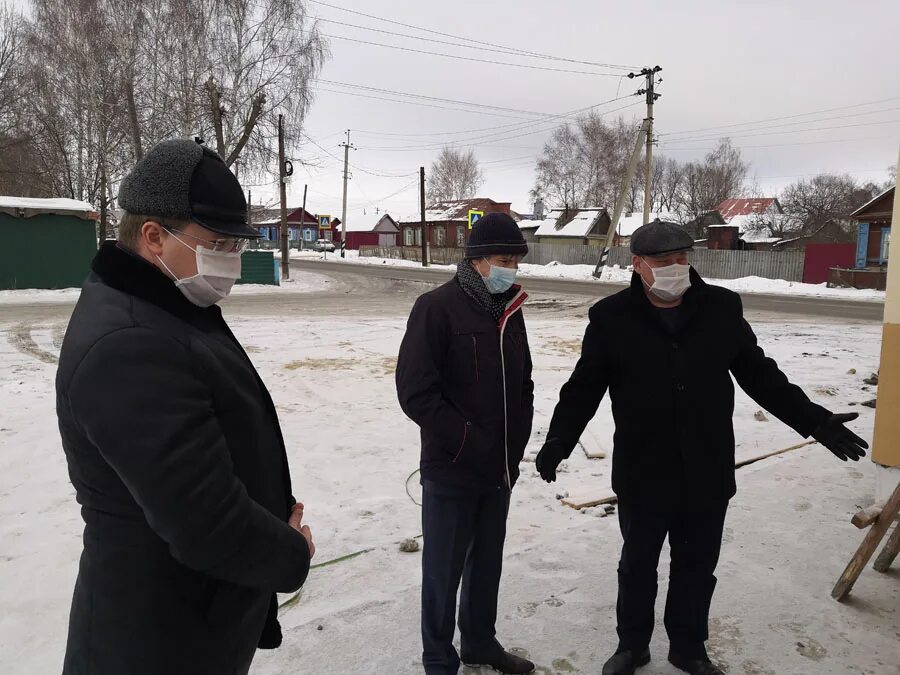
pixel 311 283
pixel 351 451
pixel 618 275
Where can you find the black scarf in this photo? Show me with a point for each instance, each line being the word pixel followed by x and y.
pixel 473 284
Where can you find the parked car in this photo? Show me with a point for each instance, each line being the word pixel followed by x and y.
pixel 324 245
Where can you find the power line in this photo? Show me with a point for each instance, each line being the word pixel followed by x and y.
pixel 789 131
pixel 477 46
pixel 568 114
pixel 468 58
pixel 493 136
pixel 468 142
pixel 423 105
pixel 784 145
pixel 783 117
pixel 438 99
pixel 511 50
pixel 371 172
pixel 815 121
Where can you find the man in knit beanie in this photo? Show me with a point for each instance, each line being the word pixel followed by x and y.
pixel 464 376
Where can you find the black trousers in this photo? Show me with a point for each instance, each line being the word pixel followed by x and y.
pixel 464 534
pixel 695 538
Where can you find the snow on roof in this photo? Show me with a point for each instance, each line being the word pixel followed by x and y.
pixel 628 224
pixel 742 207
pixel 579 226
pixel 456 210
pixel 366 223
pixel 872 201
pixel 35 206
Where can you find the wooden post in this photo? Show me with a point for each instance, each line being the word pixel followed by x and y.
pixel 867 548
pixel 422 207
pixel 889 552
pixel 282 191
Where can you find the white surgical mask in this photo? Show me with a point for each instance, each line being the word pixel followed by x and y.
pixel 670 282
pixel 216 273
pixel 500 279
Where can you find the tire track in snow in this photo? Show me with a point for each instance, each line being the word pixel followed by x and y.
pixel 20 338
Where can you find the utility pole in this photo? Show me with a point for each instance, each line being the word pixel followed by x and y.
pixel 620 200
pixel 303 219
pixel 650 75
pixel 250 207
pixel 282 188
pixel 422 207
pixel 346 145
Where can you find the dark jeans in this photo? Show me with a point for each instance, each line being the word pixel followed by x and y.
pixel 464 533
pixel 695 537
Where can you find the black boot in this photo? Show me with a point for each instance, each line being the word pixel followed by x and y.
pixel 694 666
pixel 626 662
pixel 502 662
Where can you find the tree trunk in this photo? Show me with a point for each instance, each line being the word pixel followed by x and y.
pixel 215 109
pixel 133 117
pixel 256 110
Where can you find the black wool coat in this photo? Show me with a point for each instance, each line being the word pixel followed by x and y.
pixel 475 423
pixel 672 393
pixel 177 459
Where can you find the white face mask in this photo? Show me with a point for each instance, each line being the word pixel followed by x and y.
pixel 670 282
pixel 216 273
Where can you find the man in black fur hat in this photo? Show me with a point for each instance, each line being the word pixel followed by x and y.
pixel 172 440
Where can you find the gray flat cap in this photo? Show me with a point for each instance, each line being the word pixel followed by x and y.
pixel 184 179
pixel 659 238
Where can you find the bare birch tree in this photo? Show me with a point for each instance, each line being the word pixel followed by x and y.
pixel 454 175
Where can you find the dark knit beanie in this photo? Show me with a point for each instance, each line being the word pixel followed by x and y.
pixel 495 234
pixel 183 179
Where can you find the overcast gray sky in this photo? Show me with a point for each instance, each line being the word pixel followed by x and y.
pixel 724 63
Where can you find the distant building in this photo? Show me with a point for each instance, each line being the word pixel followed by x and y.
pixel 371 230
pixel 586 226
pixel 873 245
pixel 448 221
pixel 747 224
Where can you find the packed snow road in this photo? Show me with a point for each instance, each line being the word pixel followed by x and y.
pixel 326 346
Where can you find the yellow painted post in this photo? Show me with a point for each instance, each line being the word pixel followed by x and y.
pixel 886 447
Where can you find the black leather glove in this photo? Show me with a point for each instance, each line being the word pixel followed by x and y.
pixel 549 458
pixel 842 442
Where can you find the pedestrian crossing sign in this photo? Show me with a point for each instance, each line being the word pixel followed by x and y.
pixel 474 217
pixel 324 222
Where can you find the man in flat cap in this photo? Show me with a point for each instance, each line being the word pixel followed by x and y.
pixel 172 439
pixel 666 349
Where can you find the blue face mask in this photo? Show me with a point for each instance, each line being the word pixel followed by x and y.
pixel 500 279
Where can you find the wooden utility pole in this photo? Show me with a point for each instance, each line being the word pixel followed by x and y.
pixel 346 145
pixel 650 75
pixel 250 207
pixel 620 200
pixel 282 189
pixel 303 217
pixel 423 227
pixel 104 204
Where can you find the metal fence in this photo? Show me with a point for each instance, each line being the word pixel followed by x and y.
pixel 787 265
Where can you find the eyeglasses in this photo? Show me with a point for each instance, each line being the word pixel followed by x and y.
pixel 229 245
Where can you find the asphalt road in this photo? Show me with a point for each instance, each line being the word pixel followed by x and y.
pixel 854 310
pixel 355 290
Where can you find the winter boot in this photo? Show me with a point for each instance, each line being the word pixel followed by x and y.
pixel 626 662
pixel 694 666
pixel 502 662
